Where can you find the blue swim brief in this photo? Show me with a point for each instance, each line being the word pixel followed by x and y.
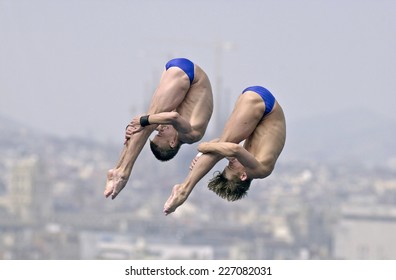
pixel 268 98
pixel 184 64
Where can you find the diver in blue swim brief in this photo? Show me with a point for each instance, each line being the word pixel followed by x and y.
pixel 184 64
pixel 250 142
pixel 179 111
pixel 266 95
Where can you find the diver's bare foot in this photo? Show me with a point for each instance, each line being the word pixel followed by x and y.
pixel 115 183
pixel 177 198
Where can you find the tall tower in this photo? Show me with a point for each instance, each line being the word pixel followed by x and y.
pixel 221 96
pixel 28 194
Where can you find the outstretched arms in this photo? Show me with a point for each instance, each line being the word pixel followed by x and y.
pixel 181 192
pixel 118 176
pixel 213 152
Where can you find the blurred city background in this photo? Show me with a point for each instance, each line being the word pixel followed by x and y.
pixel 73 73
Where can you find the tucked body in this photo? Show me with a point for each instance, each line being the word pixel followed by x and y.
pixel 258 121
pixel 180 110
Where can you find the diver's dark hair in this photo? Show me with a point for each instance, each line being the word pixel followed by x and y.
pixel 164 154
pixel 231 190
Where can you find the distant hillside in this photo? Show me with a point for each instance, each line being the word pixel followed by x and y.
pixel 26 140
pixel 15 134
pixel 343 136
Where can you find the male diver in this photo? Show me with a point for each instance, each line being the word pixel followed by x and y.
pixel 259 121
pixel 180 110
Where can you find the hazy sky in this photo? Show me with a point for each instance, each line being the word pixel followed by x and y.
pixel 85 67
